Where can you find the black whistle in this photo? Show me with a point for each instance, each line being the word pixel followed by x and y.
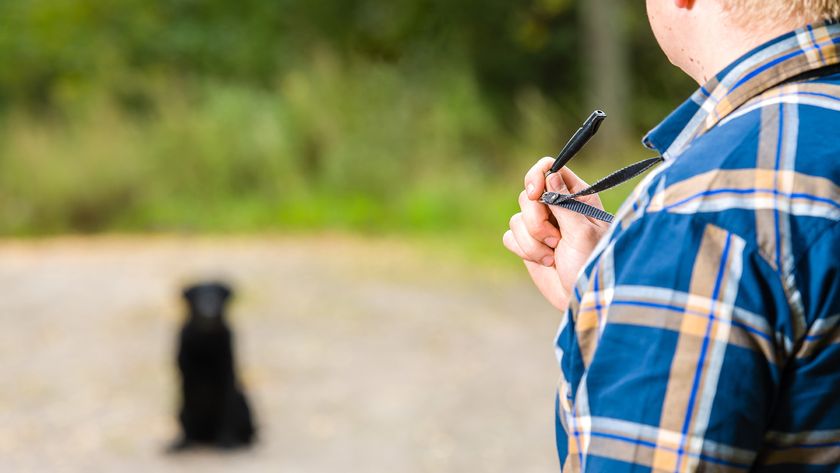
pixel 578 140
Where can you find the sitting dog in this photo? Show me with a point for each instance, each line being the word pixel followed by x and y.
pixel 214 410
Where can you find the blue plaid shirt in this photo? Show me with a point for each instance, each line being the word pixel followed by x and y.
pixel 704 333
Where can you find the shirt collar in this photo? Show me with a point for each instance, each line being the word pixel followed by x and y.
pixel 786 57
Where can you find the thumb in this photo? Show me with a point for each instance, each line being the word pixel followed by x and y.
pixel 573 226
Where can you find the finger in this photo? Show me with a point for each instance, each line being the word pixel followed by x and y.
pixel 546 279
pixel 510 243
pixel 575 184
pixel 537 220
pixel 548 284
pixel 535 178
pixel 578 230
pixel 533 249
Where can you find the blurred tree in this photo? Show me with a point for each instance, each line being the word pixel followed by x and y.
pixel 59 47
pixel 608 78
pixel 159 114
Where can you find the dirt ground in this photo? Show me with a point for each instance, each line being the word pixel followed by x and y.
pixel 357 355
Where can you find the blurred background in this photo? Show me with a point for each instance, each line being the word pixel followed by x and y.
pixel 349 166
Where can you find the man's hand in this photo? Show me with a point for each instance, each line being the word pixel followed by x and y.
pixel 553 242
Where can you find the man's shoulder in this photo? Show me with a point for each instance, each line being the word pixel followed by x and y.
pixel 770 173
pixel 795 127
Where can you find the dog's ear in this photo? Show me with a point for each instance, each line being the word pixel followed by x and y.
pixel 189 293
pixel 225 292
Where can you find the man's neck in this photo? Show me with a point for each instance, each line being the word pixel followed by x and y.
pixel 722 44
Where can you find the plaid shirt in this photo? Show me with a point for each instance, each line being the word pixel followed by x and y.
pixel 704 332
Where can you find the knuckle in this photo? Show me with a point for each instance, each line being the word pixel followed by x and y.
pixel 541 165
pixel 533 223
pixel 530 248
pixel 533 248
pixel 531 178
pixel 557 183
pixel 506 240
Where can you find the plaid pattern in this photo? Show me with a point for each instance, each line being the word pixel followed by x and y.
pixel 704 333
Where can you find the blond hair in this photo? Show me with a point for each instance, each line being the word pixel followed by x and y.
pixel 785 12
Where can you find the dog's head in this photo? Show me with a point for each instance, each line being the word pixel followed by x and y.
pixel 207 303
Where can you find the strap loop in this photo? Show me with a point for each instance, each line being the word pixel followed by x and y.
pixel 567 201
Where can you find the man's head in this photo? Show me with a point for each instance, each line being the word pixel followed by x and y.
pixel 781 11
pixel 701 37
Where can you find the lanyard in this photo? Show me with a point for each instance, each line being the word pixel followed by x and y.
pixel 575 144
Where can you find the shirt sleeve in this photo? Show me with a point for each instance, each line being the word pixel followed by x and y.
pixel 670 352
pixel 804 434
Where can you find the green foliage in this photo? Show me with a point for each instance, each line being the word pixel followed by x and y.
pixel 332 145
pixel 210 115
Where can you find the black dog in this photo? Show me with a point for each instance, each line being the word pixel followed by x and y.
pixel 214 410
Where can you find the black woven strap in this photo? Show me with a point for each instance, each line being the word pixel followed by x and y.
pixel 567 201
pixel 586 209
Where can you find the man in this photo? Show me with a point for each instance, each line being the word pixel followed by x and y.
pixel 702 329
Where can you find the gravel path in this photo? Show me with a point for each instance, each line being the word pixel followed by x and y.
pixel 354 361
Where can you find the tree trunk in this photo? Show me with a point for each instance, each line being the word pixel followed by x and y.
pixel 606 71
